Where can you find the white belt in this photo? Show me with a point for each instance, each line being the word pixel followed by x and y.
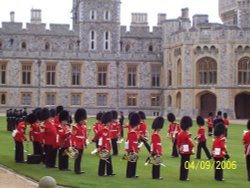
pixel 80 137
pixel 159 144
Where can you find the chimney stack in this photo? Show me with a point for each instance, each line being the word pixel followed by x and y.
pixel 12 16
pixel 36 16
pixel 161 18
pixel 185 13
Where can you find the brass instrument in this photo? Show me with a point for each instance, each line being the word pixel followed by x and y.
pixel 155 160
pixel 71 152
pixel 130 157
pixel 104 154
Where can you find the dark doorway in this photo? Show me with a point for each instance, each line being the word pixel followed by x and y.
pixel 242 106
pixel 207 104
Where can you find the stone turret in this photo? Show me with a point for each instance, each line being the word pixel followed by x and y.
pixel 243 13
pixel 161 18
pixel 12 16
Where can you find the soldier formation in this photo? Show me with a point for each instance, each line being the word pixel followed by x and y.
pixel 52 134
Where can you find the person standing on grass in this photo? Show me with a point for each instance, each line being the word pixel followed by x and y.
pixel 114 129
pixel 185 146
pixel 98 125
pixel 19 137
pixel 201 138
pixel 210 123
pixel 246 142
pixel 226 123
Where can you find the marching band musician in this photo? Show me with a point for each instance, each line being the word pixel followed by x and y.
pixel 98 125
pixel 114 128
pixel 173 130
pixel 49 134
pixel 210 123
pixel 59 109
pixel 64 140
pixel 219 151
pixel 19 137
pixel 156 148
pixel 103 138
pixel 79 137
pixel 185 146
pixel 201 138
pixel 143 130
pixel 131 145
pixel 246 142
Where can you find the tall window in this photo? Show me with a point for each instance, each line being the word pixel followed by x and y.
pixel 207 71
pixel 178 100
pixel 244 71
pixel 106 15
pixel 169 78
pixel 131 100
pixel 102 99
pixel 92 40
pixel 51 74
pixel 132 73
pixel 23 45
pixel 50 99
pixel 47 46
pixel 26 74
pixel 76 99
pixel 169 101
pixel 106 40
pixel 76 74
pixel 179 73
pixel 102 75
pixel 92 15
pixel 3 98
pixel 156 74
pixel 2 73
pixel 26 99
pixel 155 100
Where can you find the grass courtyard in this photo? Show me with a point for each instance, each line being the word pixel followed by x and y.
pixel 198 177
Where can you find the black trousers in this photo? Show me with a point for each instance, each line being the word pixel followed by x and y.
pixel 63 162
pixel 174 149
pixel 114 146
pixel 131 169
pixel 210 131
pixel 183 170
pixel 226 132
pixel 202 145
pixel 105 165
pixel 248 166
pixel 156 171
pixel 78 160
pixel 19 151
pixel 146 145
pixel 37 148
pixel 122 131
pixel 218 171
pixel 50 156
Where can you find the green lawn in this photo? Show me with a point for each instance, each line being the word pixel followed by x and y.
pixel 198 178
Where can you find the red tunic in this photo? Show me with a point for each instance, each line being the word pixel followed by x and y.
pixel 143 129
pixel 79 135
pixel 97 127
pixel 103 138
pixel 114 129
pixel 185 143
pixel 64 136
pixel 201 134
pixel 246 142
pixel 226 122
pixel 56 120
pixel 50 134
pixel 210 122
pixel 132 141
pixel 20 132
pixel 173 130
pixel 156 143
pixel 35 133
pixel 219 147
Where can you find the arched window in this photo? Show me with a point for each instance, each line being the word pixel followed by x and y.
pixel 47 46
pixel 3 99
pixel 23 45
pixel 169 78
pixel 92 40
pixel 92 15
pixel 150 48
pixel 244 71
pixel 178 100
pixel 206 71
pixel 169 101
pixel 127 48
pixel 179 73
pixel 106 15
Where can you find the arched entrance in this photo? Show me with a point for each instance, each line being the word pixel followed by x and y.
pixel 207 104
pixel 242 103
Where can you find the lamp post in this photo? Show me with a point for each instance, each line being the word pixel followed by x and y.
pixel 39 62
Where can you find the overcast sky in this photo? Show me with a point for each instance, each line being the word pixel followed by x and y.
pixel 58 11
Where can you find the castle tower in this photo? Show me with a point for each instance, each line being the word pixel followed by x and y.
pixel 36 16
pixel 99 25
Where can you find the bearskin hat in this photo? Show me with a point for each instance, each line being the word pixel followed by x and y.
pixel 210 114
pixel 80 115
pixel 59 109
pixel 171 117
pixel 219 129
pixel 44 114
pixel 99 116
pixel 106 117
pixel 200 121
pixel 114 114
pixel 219 113
pixel 248 124
pixel 64 116
pixel 52 113
pixel 225 115
pixel 31 118
pixel 218 121
pixel 186 122
pixel 134 120
pixel 142 115
pixel 130 115
pixel 158 123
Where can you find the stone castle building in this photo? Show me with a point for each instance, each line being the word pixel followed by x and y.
pixel 183 67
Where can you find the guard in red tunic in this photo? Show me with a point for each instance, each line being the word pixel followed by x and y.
pixel 210 123
pixel 19 137
pixel 173 130
pixel 35 137
pixel 156 148
pixel 79 137
pixel 142 128
pixel 219 151
pixel 59 109
pixel 185 146
pixel 201 138
pixel 98 125
pixel 114 129
pixel 64 140
pixel 131 144
pixel 103 138
pixel 226 123
pixel 246 142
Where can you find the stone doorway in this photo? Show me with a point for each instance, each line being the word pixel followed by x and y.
pixel 207 104
pixel 242 106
